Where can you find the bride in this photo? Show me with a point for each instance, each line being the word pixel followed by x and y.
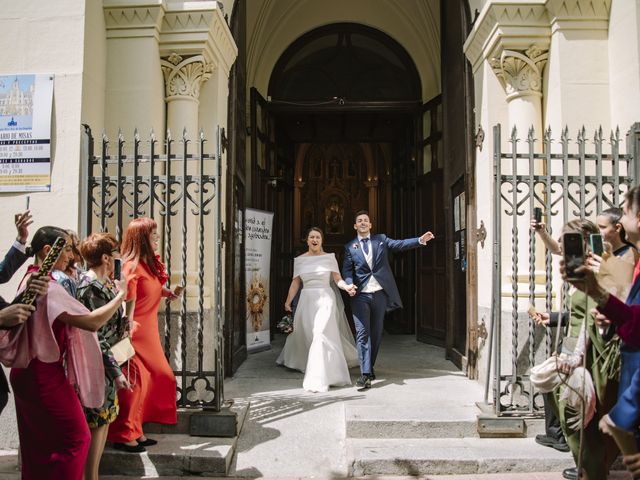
pixel 321 344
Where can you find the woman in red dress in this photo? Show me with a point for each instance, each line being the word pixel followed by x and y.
pixel 54 436
pixel 153 394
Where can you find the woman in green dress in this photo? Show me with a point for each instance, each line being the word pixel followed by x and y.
pixel 94 290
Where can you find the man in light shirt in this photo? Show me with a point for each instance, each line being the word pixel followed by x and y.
pixel 366 264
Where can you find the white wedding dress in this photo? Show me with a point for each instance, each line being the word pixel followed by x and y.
pixel 321 344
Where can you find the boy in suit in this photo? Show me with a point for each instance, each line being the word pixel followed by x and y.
pixel 366 264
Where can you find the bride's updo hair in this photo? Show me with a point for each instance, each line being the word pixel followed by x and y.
pixel 314 229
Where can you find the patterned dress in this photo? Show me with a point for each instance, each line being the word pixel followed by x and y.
pixel 94 294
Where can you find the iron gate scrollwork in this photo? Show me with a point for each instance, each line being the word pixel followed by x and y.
pixel 176 188
pixel 566 185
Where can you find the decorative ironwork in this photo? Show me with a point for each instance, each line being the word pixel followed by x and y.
pixel 566 186
pixel 175 188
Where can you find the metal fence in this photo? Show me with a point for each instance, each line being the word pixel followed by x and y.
pixel 566 182
pixel 177 188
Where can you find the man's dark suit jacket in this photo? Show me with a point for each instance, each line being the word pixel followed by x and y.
pixel 355 268
pixel 12 261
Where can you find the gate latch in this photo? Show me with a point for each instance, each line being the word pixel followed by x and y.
pixel 481 234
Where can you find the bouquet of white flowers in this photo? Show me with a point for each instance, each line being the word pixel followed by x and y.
pixel 285 325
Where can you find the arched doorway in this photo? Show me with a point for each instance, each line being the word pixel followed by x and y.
pixel 339 134
pixel 352 89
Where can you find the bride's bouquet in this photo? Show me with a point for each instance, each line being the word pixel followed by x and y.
pixel 285 325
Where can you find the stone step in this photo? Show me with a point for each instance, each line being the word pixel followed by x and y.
pixel 177 453
pixel 409 421
pixel 451 456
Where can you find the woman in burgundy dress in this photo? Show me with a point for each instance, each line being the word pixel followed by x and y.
pixel 54 436
pixel 152 397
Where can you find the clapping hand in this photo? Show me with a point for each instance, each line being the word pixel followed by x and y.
pixel 426 237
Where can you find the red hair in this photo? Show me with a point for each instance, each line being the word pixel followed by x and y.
pixel 136 245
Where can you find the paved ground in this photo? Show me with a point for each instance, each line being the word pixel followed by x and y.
pixel 291 434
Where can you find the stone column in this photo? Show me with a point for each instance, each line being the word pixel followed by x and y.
pixel 183 78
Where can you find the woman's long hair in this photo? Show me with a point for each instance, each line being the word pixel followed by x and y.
pixel 44 236
pixel 136 245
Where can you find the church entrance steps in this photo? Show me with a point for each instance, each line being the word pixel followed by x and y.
pixel 177 453
pixel 438 456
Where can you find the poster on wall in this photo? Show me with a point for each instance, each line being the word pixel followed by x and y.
pixel 25 133
pixel 258 233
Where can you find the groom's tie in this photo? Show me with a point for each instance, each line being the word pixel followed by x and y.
pixel 365 245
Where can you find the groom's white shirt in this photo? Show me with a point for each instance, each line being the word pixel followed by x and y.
pixel 372 284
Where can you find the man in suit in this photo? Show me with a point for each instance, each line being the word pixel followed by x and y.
pixel 366 264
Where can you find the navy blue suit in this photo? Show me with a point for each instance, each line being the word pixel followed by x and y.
pixel 369 308
pixel 12 261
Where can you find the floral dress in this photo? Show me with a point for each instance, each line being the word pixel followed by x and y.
pixel 94 294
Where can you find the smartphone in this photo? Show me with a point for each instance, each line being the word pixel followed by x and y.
pixel 117 269
pixel 28 200
pixel 537 214
pixel 573 253
pixel 597 247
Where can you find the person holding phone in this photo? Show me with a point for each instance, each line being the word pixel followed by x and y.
pixel 600 355
pixel 153 396
pixel 95 289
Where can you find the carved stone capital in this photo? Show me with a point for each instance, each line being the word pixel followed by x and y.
pixel 183 77
pixel 520 72
pixel 198 28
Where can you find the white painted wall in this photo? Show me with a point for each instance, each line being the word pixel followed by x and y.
pixel 624 63
pixel 45 37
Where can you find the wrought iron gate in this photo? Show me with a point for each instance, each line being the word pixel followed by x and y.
pixel 177 188
pixel 566 186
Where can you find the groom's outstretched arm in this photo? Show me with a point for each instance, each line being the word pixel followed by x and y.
pixel 347 266
pixel 409 243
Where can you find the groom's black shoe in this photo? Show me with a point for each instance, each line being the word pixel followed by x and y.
pixel 372 375
pixel 363 382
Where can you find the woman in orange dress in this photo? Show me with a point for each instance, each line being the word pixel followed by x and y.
pixel 152 397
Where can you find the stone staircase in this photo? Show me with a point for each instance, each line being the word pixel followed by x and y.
pixel 177 453
pixel 416 440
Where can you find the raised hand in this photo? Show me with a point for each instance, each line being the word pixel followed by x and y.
pixel 15 315
pixel 22 221
pixel 426 237
pixel 537 226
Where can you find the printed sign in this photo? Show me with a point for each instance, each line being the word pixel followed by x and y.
pixel 258 233
pixel 25 133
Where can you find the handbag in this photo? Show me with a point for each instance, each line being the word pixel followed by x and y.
pixel 123 350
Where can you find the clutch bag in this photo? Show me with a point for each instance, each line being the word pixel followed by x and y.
pixel 123 350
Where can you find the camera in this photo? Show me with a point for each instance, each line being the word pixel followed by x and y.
pixel 537 214
pixel 573 253
pixel 595 241
pixel 117 269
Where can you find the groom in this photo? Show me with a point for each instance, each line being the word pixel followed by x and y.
pixel 366 263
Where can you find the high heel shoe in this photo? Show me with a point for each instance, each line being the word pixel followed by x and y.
pixel 129 448
pixel 147 443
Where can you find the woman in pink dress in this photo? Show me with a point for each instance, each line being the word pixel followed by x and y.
pixel 54 436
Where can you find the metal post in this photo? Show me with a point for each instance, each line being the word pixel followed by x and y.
pixel 219 372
